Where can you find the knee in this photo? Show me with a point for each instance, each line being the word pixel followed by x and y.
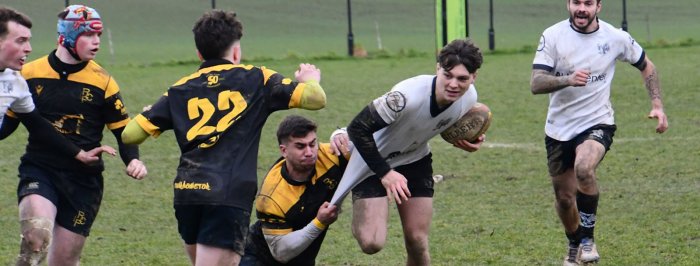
pixel 585 175
pixel 36 238
pixel 565 201
pixel 416 244
pixel 369 244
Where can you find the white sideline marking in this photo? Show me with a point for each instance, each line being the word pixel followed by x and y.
pixel 536 147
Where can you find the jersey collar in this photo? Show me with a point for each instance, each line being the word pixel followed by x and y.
pixel 62 68
pixel 434 108
pixel 214 62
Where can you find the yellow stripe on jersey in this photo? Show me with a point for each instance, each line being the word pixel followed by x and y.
pixel 11 114
pixel 267 73
pixel 295 100
pixel 29 71
pixel 147 125
pixel 118 124
pixel 93 74
pixel 276 232
pixel 206 70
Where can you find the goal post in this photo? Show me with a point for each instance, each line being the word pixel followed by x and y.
pixel 451 21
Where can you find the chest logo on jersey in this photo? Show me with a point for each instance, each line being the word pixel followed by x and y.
pixel 603 48
pixel 7 87
pixel 213 80
pixel 39 89
pixel 330 183
pixel 442 123
pixel 86 96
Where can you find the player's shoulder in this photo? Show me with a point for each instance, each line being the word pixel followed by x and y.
pixel 613 32
pixel 557 28
pixel 37 68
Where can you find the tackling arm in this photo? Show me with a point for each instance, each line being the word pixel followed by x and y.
pixel 286 247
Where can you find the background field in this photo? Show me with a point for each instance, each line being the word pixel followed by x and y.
pixel 495 206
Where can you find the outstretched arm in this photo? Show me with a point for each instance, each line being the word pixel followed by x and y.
pixel 543 81
pixel 651 81
pixel 288 246
pixel 313 97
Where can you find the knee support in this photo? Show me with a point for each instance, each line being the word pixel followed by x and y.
pixel 36 237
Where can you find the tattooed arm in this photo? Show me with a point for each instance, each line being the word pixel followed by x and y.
pixel 543 81
pixel 651 81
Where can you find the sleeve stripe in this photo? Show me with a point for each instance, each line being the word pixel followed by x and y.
pixel 147 125
pixel 295 100
pixel 278 232
pixel 118 124
pixel 640 61
pixel 542 67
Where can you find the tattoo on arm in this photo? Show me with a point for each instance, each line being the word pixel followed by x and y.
pixel 652 83
pixel 544 82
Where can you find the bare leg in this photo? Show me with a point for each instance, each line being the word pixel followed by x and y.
pixel 416 216
pixel 369 223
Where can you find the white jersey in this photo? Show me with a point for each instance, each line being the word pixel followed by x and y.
pixel 407 111
pixel 14 93
pixel 563 50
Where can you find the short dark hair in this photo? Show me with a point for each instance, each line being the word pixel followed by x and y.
pixel 294 126
pixel 460 51
pixel 8 14
pixel 215 32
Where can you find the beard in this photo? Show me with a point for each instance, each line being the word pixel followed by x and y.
pixel 583 28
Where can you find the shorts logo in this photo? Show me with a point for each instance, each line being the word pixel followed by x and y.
pixel 598 134
pixel 86 96
pixel 79 219
pixel 395 100
pixel 33 185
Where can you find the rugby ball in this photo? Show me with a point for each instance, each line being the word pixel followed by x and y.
pixel 470 126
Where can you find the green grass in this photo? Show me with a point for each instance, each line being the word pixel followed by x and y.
pixel 495 206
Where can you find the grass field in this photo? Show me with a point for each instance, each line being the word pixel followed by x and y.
pixel 495 206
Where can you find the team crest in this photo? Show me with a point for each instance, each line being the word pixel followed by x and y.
pixel 79 219
pixel 395 100
pixel 603 48
pixel 86 96
pixel 213 80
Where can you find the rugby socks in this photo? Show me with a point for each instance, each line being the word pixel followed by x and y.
pixel 587 207
pixel 574 238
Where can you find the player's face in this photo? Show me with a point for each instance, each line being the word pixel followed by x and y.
pixel 301 153
pixel 87 45
pixel 583 14
pixel 450 85
pixel 15 46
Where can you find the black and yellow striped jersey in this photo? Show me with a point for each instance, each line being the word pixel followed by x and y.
pixel 217 115
pixel 78 100
pixel 285 205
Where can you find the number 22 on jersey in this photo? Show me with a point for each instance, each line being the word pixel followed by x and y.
pixel 203 109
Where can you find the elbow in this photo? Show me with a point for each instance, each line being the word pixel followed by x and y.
pixel 279 257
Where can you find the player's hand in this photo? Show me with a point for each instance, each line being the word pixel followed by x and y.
pixel 396 186
pixel 136 169
pixel 93 156
pixel 659 114
pixel 468 146
pixel 340 144
pixel 327 214
pixel 579 78
pixel 307 72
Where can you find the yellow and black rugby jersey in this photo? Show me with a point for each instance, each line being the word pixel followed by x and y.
pixel 79 100
pixel 217 115
pixel 284 205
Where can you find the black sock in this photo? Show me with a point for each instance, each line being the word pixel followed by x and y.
pixel 587 207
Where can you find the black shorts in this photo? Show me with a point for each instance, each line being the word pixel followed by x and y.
pixel 561 155
pixel 419 175
pixel 213 225
pixel 77 203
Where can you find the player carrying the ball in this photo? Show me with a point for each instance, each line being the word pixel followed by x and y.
pixel 391 135
pixel 575 64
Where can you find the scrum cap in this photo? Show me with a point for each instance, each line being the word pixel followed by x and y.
pixel 74 21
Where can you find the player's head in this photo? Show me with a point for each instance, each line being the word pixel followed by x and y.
pixel 79 28
pixel 457 64
pixel 14 38
pixel 217 34
pixel 298 142
pixel 583 14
